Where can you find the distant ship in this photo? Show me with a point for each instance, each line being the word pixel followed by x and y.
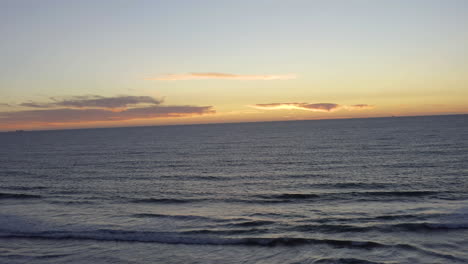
pixel 16 131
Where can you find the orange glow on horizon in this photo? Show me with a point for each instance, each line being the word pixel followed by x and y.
pixel 230 117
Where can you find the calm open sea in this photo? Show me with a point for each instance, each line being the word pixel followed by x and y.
pixel 383 190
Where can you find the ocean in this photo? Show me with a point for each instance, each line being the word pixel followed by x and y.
pixel 379 190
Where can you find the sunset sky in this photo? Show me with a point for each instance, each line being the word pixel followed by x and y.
pixel 74 64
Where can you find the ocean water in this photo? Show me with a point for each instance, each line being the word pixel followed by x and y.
pixel 383 190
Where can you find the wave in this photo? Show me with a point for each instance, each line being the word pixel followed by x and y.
pixel 391 217
pixel 72 202
pixel 345 261
pixel 253 223
pixel 215 200
pixel 31 258
pixel 379 218
pixel 224 231
pixel 355 185
pixel 301 197
pixel 24 188
pixel 165 200
pixel 182 217
pixel 294 197
pixel 18 196
pixel 397 193
pixel 179 238
pixel 290 196
pixel 407 227
pixel 228 222
pixel 17 173
pixel 196 178
pixel 430 226
pixel 329 228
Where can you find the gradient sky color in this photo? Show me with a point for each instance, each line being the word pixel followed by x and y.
pixel 218 61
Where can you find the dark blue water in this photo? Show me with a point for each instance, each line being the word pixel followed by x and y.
pixel 385 190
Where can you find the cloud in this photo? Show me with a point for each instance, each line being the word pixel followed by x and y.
pixel 221 76
pixel 35 105
pixel 318 107
pixel 95 108
pixel 359 107
pixel 71 115
pixel 95 101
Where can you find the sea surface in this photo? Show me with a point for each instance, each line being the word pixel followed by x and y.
pixel 381 190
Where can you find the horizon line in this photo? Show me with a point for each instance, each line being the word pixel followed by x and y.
pixel 221 123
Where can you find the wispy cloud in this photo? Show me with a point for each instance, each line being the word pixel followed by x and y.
pixel 95 101
pixel 221 76
pixel 318 107
pixel 70 115
pixel 359 107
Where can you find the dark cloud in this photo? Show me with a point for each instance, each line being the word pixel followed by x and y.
pixel 95 101
pixel 70 115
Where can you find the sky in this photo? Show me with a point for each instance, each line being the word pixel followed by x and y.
pixel 79 64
